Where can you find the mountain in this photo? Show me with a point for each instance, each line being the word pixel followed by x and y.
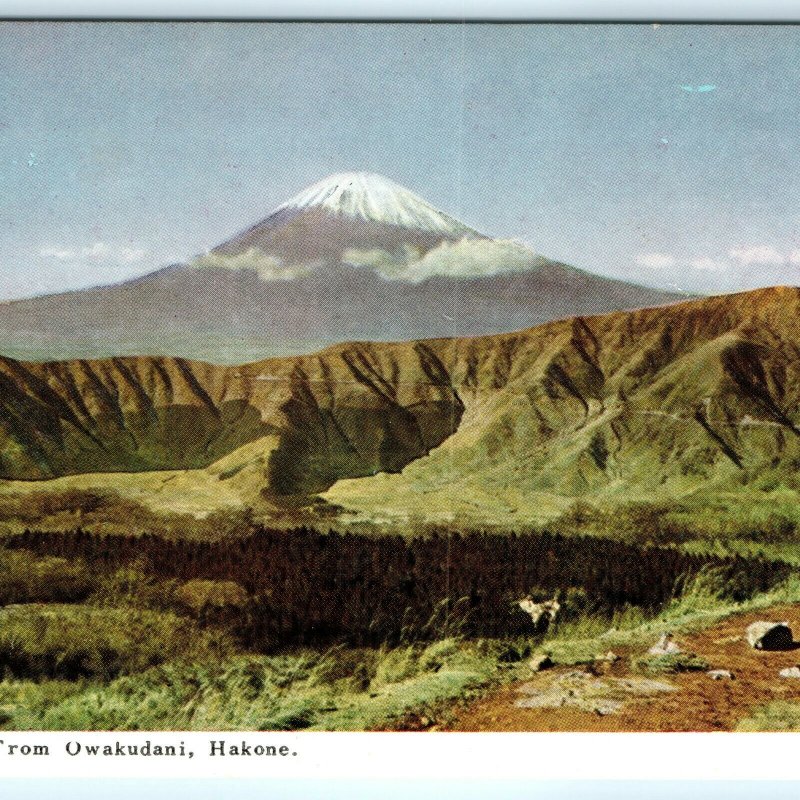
pixel 692 399
pixel 355 257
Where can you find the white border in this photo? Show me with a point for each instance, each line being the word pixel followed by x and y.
pixel 422 756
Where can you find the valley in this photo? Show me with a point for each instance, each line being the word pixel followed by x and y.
pixel 339 540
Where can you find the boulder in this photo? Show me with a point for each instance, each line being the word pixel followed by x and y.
pixel 720 675
pixel 790 672
pixel 512 655
pixel 763 635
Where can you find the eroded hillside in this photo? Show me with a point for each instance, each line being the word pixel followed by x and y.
pixel 353 411
pixel 660 400
pixel 631 405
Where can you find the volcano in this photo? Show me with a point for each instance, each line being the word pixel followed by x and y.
pixel 354 257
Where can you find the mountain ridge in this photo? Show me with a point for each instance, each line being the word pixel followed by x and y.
pixel 660 401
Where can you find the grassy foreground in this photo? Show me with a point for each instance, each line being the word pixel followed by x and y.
pixel 77 656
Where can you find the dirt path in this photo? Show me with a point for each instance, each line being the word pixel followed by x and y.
pixel 700 704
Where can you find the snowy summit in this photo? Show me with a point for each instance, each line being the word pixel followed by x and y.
pixel 377 199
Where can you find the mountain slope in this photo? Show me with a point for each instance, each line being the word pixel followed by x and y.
pixel 658 402
pixel 661 403
pixel 357 411
pixel 229 316
pixel 355 257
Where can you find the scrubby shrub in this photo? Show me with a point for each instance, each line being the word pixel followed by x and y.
pixel 780 715
pixel 246 692
pixel 342 666
pixel 436 655
pixel 736 582
pixel 198 595
pixel 72 642
pixel 396 665
pixel 26 578
pixel 575 602
pixel 134 585
pixel 511 653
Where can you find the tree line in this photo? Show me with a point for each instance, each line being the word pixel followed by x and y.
pixel 307 587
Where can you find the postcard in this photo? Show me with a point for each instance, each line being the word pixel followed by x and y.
pixel 395 377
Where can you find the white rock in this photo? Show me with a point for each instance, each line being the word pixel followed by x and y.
pixel 763 635
pixel 790 672
pixel 540 662
pixel 611 657
pixel 720 675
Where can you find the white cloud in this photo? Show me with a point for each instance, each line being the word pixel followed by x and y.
pixel 390 263
pixel 759 254
pixel 755 255
pixel 667 261
pixel 738 257
pixel 474 257
pixel 96 252
pixel 657 260
pixel 268 267
pixel 469 257
pixel 464 258
pixel 709 264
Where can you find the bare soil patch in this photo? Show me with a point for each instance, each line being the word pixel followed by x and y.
pixel 699 704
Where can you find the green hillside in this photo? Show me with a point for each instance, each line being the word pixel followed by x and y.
pixel 687 407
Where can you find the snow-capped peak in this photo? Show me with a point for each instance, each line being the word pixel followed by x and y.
pixel 375 198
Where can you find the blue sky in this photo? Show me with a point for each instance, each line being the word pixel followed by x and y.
pixel 124 147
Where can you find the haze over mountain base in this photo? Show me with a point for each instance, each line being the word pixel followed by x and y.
pixel 230 317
